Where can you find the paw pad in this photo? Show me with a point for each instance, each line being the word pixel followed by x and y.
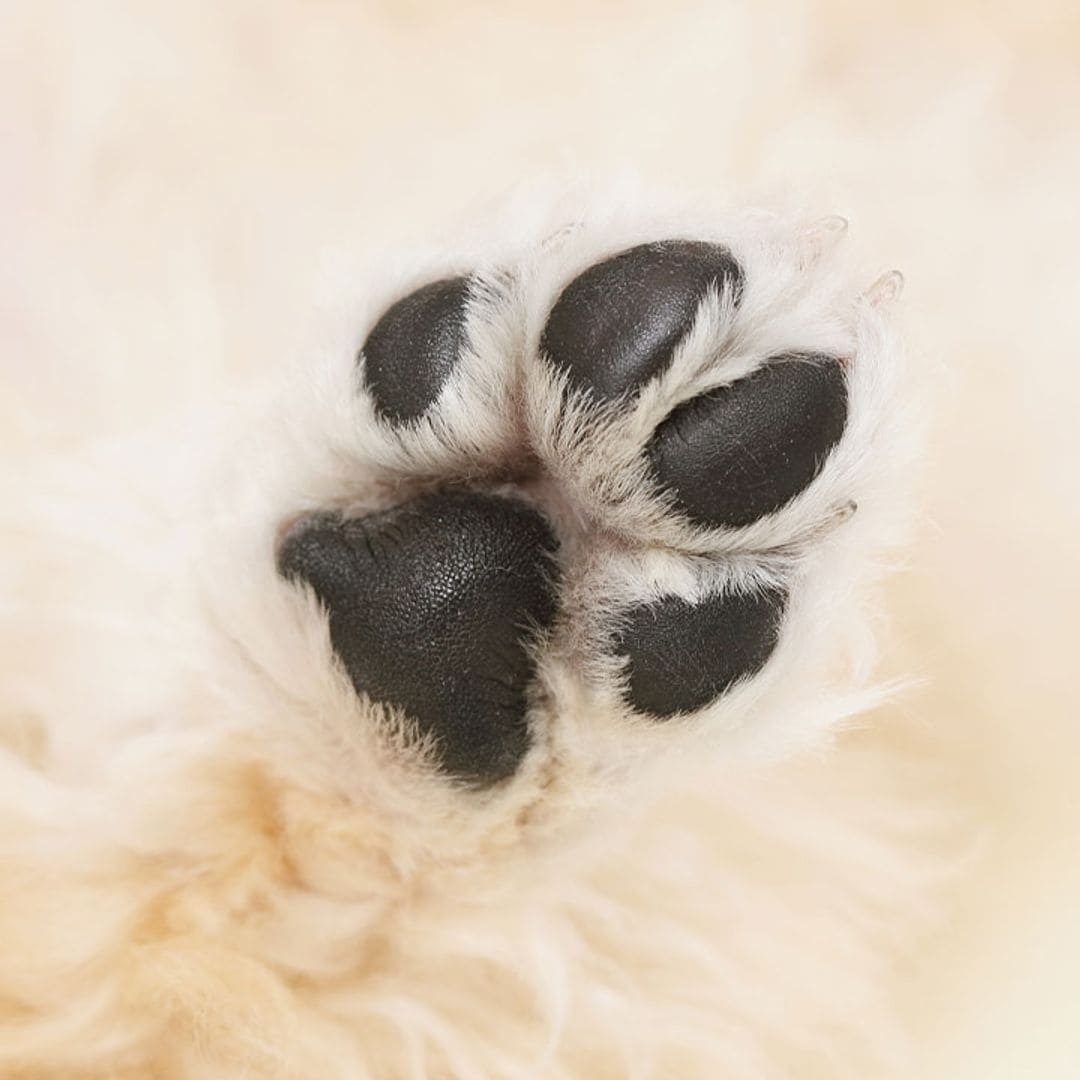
pixel 410 353
pixel 433 606
pixel 744 450
pixel 618 324
pixel 683 656
pixel 446 605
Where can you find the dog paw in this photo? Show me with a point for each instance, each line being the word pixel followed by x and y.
pixel 597 481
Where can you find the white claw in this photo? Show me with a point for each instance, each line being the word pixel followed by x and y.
pixel 561 233
pixel 821 236
pixel 834 223
pixel 886 289
pixel 834 518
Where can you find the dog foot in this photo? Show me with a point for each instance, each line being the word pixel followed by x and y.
pixel 610 468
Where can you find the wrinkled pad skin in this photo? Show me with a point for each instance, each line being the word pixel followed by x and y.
pixel 617 324
pixel 744 450
pixel 410 353
pixel 431 607
pixel 684 656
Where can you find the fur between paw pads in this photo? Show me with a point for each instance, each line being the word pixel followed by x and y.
pixel 616 470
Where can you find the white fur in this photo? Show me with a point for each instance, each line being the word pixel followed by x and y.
pixel 218 860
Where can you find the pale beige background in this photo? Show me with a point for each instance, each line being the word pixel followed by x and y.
pixel 172 177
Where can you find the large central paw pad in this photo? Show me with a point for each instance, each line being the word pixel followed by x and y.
pixel 667 430
pixel 434 606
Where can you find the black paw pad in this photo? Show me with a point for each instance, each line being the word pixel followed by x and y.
pixel 744 450
pixel 683 656
pixel 412 350
pixel 431 608
pixel 617 325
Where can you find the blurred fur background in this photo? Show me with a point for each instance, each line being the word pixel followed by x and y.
pixel 175 180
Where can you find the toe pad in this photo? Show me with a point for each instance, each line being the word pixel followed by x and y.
pixel 617 325
pixel 744 450
pixel 683 656
pixel 412 350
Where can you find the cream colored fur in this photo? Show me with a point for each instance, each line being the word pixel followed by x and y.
pixel 218 861
pixel 172 176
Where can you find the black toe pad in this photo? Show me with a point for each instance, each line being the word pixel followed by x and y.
pixel 617 325
pixel 683 656
pixel 412 350
pixel 744 450
pixel 432 606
